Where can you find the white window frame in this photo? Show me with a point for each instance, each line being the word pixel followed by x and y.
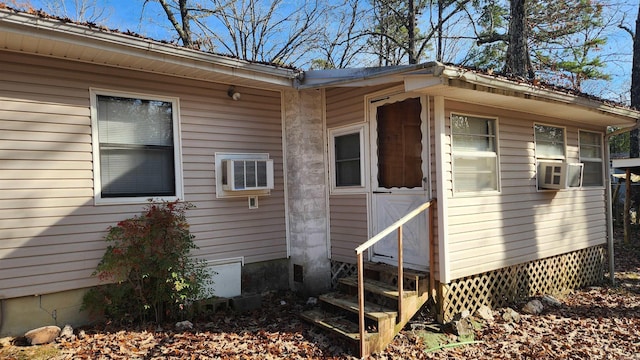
pixel 177 148
pixel 475 154
pixel 359 129
pixel 584 160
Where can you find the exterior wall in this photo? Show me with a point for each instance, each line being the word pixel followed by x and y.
pixel 488 231
pixel 307 191
pixel 348 212
pixel 51 234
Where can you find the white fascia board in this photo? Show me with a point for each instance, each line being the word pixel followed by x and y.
pixel 32 26
pixel 471 77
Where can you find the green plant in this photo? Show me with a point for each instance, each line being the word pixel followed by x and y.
pixel 147 268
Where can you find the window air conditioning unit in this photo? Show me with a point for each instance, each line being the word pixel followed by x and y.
pixel 559 175
pixel 247 174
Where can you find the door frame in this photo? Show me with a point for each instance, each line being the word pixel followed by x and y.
pixel 372 101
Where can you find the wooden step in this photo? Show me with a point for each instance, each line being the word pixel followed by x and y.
pixel 335 323
pixel 350 303
pixel 377 287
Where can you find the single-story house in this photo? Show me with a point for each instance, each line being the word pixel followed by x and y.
pixel 94 122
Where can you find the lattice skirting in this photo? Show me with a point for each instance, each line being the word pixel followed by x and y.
pixel 341 269
pixel 553 275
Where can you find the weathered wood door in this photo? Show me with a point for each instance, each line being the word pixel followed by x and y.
pixel 399 176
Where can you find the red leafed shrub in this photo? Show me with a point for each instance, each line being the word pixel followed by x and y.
pixel 147 268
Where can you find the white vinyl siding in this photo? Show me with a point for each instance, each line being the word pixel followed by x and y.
pixel 591 155
pixel 51 234
pixel 493 230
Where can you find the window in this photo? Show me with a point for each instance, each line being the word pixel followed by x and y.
pixel 346 148
pixel 136 148
pixel 591 157
pixel 549 142
pixel 475 156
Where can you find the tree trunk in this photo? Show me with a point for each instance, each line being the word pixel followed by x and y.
pixel 634 141
pixel 518 62
pixel 413 57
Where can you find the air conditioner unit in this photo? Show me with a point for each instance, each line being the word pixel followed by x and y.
pixel 559 175
pixel 247 174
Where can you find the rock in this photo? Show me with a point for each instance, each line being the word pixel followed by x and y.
pixel 533 307
pixel 184 325
pixel 312 301
pixel 463 327
pixel 550 300
pixel 81 334
pixel 485 313
pixel 42 335
pixel 67 333
pixel 511 316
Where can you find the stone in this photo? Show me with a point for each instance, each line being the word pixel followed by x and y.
pixel 42 335
pixel 67 333
pixel 550 300
pixel 533 307
pixel 511 316
pixel 463 327
pixel 485 313
pixel 184 325
pixel 312 301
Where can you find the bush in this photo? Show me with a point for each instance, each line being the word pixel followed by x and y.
pixel 147 267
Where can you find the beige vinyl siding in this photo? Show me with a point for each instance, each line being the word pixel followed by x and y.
pixel 51 234
pixel 348 217
pixel 520 224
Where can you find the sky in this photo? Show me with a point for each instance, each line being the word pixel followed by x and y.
pixel 151 22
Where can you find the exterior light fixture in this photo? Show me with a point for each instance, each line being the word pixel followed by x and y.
pixel 233 93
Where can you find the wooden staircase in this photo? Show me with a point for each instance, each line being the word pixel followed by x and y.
pixel 338 311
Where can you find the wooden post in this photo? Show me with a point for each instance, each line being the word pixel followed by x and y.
pixel 432 260
pixel 627 205
pixel 400 275
pixel 361 304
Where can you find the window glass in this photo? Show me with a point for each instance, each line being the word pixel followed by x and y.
pixel 136 147
pixel 475 159
pixel 591 157
pixel 549 142
pixel 347 160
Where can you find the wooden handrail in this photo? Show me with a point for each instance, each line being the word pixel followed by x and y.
pixel 360 264
pixel 381 235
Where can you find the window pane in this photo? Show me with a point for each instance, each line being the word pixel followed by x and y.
pixel 347 160
pixel 549 141
pixel 592 174
pixel 474 135
pixel 136 172
pixel 591 157
pixel 261 173
pixel 475 174
pixel 136 147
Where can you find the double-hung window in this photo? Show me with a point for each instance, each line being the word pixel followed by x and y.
pixel 136 148
pixel 475 153
pixel 591 157
pixel 346 149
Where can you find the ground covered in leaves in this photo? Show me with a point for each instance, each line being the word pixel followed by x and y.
pixel 592 323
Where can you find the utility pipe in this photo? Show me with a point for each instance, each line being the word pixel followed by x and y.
pixel 607 137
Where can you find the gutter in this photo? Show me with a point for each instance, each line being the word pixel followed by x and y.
pixel 609 221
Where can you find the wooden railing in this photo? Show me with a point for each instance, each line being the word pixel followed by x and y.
pixel 381 235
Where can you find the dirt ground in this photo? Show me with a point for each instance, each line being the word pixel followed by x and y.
pixel 600 322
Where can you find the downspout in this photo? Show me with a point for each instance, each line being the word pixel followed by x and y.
pixel 612 276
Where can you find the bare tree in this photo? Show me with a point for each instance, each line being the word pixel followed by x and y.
pixel 84 11
pixel 267 31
